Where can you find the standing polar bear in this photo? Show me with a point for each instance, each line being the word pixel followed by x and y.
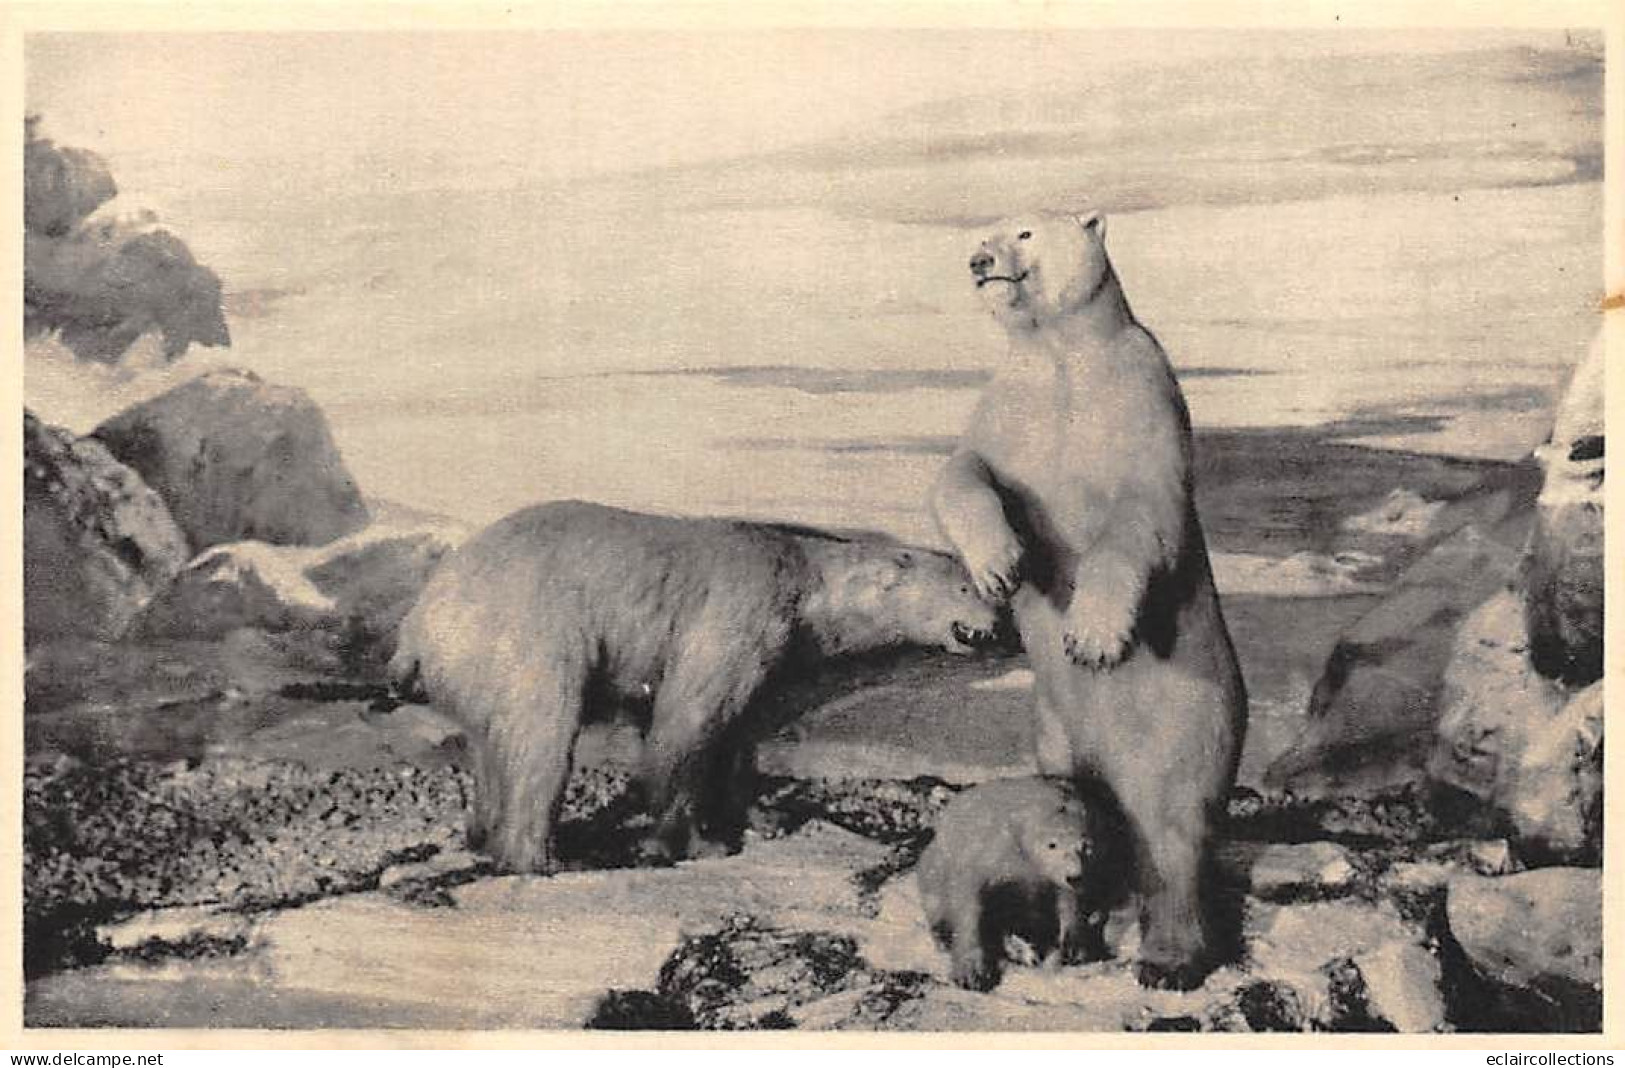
pixel 1070 493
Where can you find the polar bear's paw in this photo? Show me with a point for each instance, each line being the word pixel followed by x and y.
pixel 994 564
pixel 1096 649
pixel 1100 621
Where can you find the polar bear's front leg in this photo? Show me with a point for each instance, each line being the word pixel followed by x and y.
pixel 971 514
pixel 1138 533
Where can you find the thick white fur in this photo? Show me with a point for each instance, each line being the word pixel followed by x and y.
pixel 1071 492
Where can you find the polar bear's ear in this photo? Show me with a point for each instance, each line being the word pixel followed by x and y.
pixel 1095 220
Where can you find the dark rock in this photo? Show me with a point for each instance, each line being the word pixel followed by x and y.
pixel 749 975
pixel 1563 570
pixel 1270 1007
pixel 238 459
pixel 1519 742
pixel 142 836
pixel 1349 997
pixel 745 974
pixel 1563 593
pixel 127 689
pixel 61 186
pixel 96 539
pixel 869 1007
pixel 103 286
pixel 640 1010
pixel 1536 941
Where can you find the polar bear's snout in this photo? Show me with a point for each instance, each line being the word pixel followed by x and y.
pixel 984 266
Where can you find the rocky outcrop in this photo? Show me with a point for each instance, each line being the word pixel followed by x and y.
pixel 1521 742
pixel 749 976
pixel 102 283
pixel 1373 711
pixel 238 459
pixel 1522 721
pixel 1410 691
pixel 1563 571
pixel 1536 940
pixel 1348 965
pixel 61 186
pixel 341 896
pixel 104 286
pixel 96 539
pixel 1333 965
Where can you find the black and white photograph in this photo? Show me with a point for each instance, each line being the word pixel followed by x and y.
pixel 1005 524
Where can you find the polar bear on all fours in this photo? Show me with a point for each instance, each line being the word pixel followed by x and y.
pixel 566 612
pixel 1070 493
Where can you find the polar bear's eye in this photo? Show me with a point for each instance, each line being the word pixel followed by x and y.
pixel 1024 235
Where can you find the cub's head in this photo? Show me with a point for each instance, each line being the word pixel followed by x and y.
pixel 1056 841
pixel 928 597
pixel 1032 270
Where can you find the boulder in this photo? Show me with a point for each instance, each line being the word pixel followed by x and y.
pixel 111 281
pixel 239 459
pixel 1348 965
pixel 96 538
pixel 1521 742
pixel 101 283
pixel 61 186
pixel 1563 570
pixel 1536 939
pixel 1563 593
pixel 1372 712
pixel 750 976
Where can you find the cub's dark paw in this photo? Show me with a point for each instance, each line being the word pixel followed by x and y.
pixel 1086 949
pixel 1165 975
pixel 976 975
